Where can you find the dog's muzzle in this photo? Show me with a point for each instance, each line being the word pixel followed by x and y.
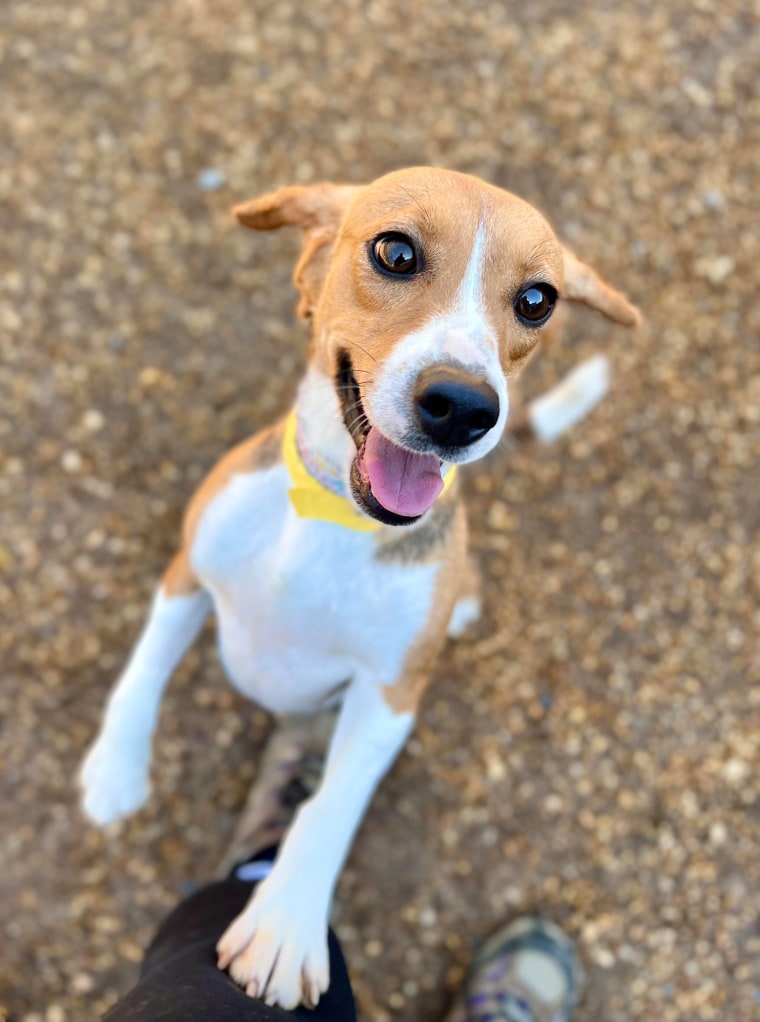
pixel 397 481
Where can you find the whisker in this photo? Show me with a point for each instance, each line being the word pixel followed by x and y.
pixel 355 407
pixel 364 350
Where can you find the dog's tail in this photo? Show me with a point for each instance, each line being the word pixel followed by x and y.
pixel 553 413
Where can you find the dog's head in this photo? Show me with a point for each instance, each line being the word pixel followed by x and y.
pixel 427 289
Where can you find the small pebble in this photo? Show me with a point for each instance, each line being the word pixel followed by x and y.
pixel 93 420
pixel 71 461
pixel 210 179
pixel 716 269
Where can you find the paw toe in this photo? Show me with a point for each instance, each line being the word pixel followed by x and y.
pixel 253 966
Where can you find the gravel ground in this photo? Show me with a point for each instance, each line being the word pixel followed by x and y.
pixel 590 750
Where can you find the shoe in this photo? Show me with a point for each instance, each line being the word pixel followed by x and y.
pixel 528 971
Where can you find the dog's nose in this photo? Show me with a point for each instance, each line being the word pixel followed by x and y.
pixel 454 408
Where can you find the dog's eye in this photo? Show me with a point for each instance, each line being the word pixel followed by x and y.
pixel 535 304
pixel 395 253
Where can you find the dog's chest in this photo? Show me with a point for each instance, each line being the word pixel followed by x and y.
pixel 302 605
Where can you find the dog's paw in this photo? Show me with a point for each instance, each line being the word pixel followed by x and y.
pixel 276 949
pixel 114 782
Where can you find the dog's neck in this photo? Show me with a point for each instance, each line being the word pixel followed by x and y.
pixel 324 443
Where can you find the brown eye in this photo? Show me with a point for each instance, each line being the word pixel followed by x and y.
pixel 395 253
pixel 535 304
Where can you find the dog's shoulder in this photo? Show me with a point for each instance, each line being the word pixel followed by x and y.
pixel 259 452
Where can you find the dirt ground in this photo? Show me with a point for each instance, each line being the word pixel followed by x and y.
pixel 590 750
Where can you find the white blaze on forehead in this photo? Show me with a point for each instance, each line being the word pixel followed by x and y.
pixel 465 335
pixel 460 335
pixel 470 297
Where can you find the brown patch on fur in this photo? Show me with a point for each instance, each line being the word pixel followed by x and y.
pixel 404 695
pixel 471 581
pixel 179 579
pixel 420 543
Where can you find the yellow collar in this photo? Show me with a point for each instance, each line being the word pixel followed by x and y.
pixel 311 498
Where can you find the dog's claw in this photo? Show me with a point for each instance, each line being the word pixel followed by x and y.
pixel 315 992
pixel 273 954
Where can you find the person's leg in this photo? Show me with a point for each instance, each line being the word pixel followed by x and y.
pixel 180 979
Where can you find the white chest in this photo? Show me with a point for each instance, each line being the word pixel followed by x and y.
pixel 303 606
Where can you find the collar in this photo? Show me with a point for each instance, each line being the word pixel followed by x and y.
pixel 317 492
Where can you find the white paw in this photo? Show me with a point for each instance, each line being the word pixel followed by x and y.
pixel 276 949
pixel 115 781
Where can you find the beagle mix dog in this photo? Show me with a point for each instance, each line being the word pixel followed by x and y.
pixel 332 547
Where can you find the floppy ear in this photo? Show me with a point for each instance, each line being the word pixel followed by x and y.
pixel 319 210
pixel 582 284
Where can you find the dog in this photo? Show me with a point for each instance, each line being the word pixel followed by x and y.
pixel 332 547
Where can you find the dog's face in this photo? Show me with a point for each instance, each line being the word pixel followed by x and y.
pixel 427 289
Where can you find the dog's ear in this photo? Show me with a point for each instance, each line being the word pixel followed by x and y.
pixel 318 209
pixel 582 284
pixel 307 206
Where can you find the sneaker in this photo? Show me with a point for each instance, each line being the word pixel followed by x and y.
pixel 528 971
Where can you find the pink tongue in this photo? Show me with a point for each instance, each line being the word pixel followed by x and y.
pixel 403 482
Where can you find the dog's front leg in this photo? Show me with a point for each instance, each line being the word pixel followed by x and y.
pixel 277 947
pixel 115 774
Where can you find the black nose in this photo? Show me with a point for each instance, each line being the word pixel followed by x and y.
pixel 454 408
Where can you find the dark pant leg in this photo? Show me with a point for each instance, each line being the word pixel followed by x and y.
pixel 180 982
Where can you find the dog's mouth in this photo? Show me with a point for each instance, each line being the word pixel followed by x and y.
pixel 392 484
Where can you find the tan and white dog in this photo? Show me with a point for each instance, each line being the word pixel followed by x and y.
pixel 332 546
